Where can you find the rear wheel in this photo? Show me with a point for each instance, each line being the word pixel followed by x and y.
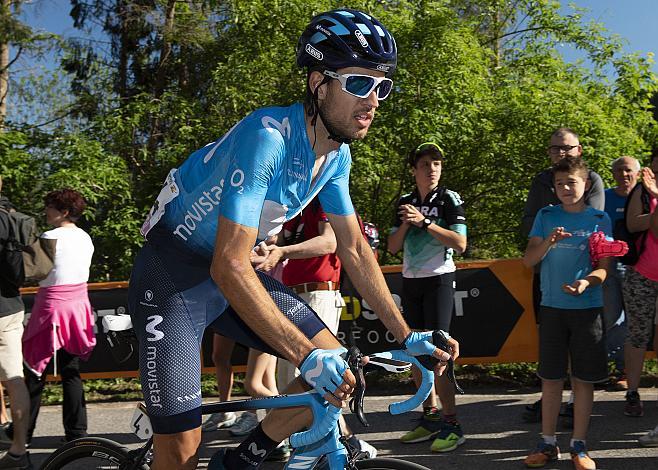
pixel 387 464
pixel 91 453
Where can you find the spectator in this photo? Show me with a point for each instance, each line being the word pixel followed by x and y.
pixel 12 313
pixel 562 143
pixel 641 284
pixel 431 226
pixel 313 272
pixel 222 349
pixel 61 327
pixel 570 327
pixel 625 171
pixel 651 438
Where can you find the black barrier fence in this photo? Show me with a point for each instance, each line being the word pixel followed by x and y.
pixel 485 314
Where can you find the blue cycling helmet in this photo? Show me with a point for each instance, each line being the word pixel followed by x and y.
pixel 347 38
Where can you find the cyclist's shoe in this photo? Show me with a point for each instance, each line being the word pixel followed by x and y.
pixel 429 425
pixel 22 462
pixel 532 413
pixel 280 454
pixel 217 460
pixel 449 438
pixel 581 460
pixel 218 421
pixel 633 405
pixel 650 439
pixel 362 446
pixel 543 454
pixel 566 416
pixel 246 423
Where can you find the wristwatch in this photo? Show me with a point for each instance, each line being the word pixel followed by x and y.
pixel 426 224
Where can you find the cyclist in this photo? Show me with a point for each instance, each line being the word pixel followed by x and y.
pixel 235 192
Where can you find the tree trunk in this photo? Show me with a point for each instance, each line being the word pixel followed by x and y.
pixel 4 68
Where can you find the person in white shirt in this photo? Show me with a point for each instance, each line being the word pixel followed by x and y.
pixel 61 327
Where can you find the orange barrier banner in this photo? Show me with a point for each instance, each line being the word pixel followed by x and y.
pixel 493 318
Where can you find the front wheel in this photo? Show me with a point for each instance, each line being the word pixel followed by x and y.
pixel 387 464
pixel 91 453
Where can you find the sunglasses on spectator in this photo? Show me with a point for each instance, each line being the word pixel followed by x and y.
pixel 561 148
pixel 361 86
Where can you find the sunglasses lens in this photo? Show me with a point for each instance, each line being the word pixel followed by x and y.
pixel 360 85
pixel 384 89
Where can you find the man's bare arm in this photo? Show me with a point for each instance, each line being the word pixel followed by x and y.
pixel 364 272
pixel 233 273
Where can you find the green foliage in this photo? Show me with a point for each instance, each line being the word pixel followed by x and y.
pixel 483 78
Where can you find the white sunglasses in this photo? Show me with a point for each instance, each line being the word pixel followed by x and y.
pixel 361 86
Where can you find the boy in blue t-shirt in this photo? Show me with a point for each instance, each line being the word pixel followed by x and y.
pixel 570 325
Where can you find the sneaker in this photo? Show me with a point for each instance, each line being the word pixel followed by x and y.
pixel 581 460
pixel 650 439
pixel 633 405
pixel 566 416
pixel 449 438
pixel 430 425
pixel 362 446
pixel 542 454
pixel 532 413
pixel 246 423
pixel 16 463
pixel 218 421
pixel 280 454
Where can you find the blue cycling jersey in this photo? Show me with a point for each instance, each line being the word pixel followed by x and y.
pixel 258 175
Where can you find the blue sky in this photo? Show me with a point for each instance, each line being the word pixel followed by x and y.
pixel 634 20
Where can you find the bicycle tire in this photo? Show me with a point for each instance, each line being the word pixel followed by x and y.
pixel 387 464
pixel 90 453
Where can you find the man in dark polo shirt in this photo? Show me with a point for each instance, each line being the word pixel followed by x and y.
pixel 12 312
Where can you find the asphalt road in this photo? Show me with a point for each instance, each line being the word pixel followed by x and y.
pixel 497 438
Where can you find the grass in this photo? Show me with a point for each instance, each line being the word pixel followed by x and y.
pixel 471 377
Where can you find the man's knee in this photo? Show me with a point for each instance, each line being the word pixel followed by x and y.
pixel 178 450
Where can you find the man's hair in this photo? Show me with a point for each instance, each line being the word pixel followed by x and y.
pixel 571 164
pixel 66 200
pixel 428 148
pixel 562 131
pixel 654 154
pixel 620 161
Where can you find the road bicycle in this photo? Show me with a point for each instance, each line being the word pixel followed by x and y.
pixel 320 447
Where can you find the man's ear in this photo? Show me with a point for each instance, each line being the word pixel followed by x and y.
pixel 580 150
pixel 314 81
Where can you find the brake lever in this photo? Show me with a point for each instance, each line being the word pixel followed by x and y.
pixel 440 340
pixel 353 359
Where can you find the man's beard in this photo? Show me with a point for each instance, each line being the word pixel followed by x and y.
pixel 334 128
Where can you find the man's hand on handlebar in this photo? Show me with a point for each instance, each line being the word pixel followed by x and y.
pixel 328 373
pixel 424 343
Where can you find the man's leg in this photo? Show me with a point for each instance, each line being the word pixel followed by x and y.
pixel 551 391
pixel 177 450
pixel 222 349
pixel 584 398
pixel 20 408
pixel 4 418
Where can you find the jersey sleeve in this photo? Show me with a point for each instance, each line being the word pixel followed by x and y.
pixel 255 157
pixel 455 214
pixel 537 229
pixel 335 195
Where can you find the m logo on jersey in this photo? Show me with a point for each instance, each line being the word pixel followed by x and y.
pixel 154 320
